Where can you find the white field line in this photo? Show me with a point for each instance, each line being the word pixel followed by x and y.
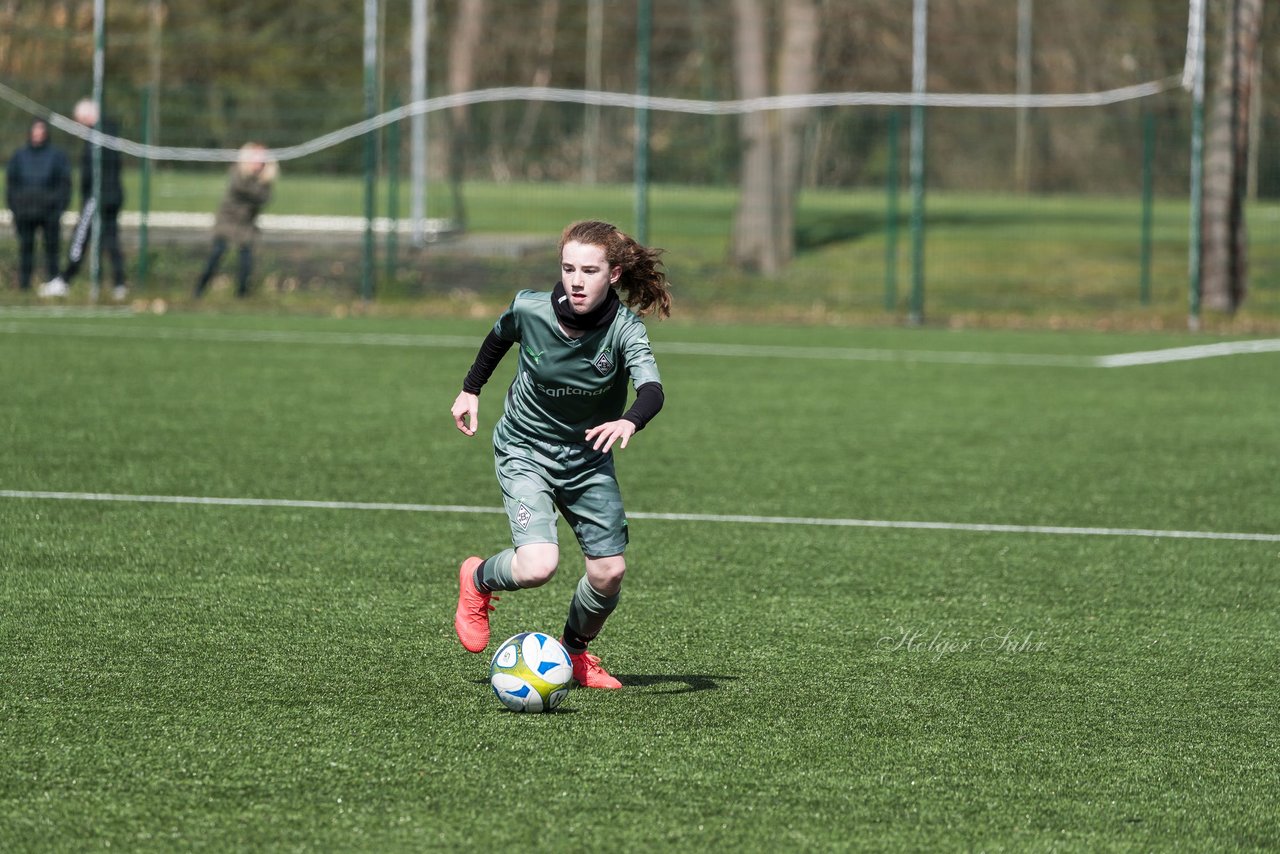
pixel 949 357
pixel 65 311
pixel 267 336
pixel 1184 354
pixel 203 221
pixel 710 518
pixel 383 339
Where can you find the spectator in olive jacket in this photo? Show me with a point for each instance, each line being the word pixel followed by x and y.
pixel 248 191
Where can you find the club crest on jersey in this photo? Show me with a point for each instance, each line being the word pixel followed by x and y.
pixel 603 364
pixel 523 517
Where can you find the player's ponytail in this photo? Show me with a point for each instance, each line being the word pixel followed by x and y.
pixel 643 283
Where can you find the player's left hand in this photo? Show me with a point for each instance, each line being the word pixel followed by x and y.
pixel 604 435
pixel 466 412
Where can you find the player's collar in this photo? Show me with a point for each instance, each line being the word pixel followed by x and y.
pixel 601 315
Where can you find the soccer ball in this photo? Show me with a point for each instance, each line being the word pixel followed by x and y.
pixel 531 672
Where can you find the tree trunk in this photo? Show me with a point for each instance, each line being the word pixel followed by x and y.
pixel 772 142
pixel 156 15
pixel 546 41
pixel 594 75
pixel 1224 253
pixel 463 48
pixel 797 75
pixel 754 230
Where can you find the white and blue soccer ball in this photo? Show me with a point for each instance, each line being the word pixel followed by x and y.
pixel 531 672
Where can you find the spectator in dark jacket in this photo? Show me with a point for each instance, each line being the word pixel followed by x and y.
pixel 37 189
pixel 86 113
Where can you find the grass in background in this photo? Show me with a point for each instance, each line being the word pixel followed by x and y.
pixel 184 676
pixel 989 259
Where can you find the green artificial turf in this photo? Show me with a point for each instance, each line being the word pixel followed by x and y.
pixel 200 676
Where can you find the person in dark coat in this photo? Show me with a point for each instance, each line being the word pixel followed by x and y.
pixel 86 113
pixel 248 191
pixel 37 190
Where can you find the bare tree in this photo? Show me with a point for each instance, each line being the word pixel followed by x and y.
pixel 593 75
pixel 754 228
pixel 546 48
pixel 1224 256
pixel 797 75
pixel 156 15
pixel 772 143
pixel 463 49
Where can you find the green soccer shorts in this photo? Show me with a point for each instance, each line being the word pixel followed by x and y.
pixel 537 478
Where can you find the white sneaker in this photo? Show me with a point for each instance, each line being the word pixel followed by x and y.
pixel 55 287
pixel 119 292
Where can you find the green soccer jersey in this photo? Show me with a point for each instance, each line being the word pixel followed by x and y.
pixel 565 386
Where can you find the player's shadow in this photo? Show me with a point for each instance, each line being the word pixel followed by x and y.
pixel 679 683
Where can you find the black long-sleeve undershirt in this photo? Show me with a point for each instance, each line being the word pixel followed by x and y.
pixel 492 349
pixel 648 403
pixel 649 397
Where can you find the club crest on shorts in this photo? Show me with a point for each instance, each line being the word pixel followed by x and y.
pixel 603 364
pixel 523 516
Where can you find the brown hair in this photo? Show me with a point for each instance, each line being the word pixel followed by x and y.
pixel 643 282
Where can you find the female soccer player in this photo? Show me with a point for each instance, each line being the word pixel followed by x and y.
pixel 578 344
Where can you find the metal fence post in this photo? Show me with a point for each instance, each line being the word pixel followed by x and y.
pixel 370 146
pixel 891 219
pixel 645 31
pixel 1148 154
pixel 393 194
pixel 145 202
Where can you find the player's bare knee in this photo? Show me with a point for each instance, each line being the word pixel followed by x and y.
pixel 538 573
pixel 605 573
pixel 535 566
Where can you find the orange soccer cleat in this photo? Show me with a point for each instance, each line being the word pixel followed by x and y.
pixel 588 673
pixel 471 619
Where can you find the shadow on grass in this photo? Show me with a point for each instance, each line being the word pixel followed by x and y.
pixel 680 683
pixel 815 231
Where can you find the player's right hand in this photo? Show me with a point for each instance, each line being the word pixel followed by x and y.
pixel 466 410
